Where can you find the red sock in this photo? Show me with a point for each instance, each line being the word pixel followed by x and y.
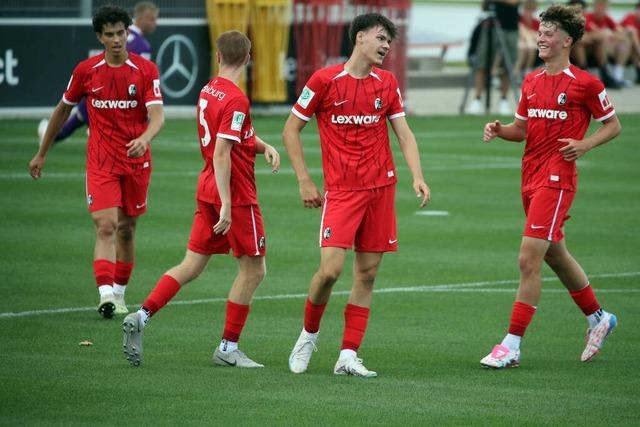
pixel 234 321
pixel 166 288
pixel 312 316
pixel 521 316
pixel 586 300
pixel 123 272
pixel 355 325
pixel 103 270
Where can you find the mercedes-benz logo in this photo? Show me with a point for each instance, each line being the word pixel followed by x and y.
pixel 179 72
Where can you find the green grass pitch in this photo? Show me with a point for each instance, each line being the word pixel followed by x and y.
pixel 424 340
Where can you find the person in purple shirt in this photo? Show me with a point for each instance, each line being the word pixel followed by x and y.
pixel 145 21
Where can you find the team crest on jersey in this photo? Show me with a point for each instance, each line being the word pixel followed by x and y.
pixel 327 233
pixel 562 98
pixel 89 199
pixel 262 242
pixel 132 90
pixel 377 104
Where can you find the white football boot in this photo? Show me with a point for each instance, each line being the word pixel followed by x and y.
pixel 133 328
pixel 501 357
pixel 597 336
pixel 302 352
pixel 107 305
pixel 352 365
pixel 234 359
pixel 121 306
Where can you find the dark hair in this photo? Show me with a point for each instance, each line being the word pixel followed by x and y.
pixel 581 3
pixel 568 18
pixel 370 20
pixel 234 47
pixel 110 14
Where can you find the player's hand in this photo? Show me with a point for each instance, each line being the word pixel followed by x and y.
pixel 273 157
pixel 35 166
pixel 491 130
pixel 224 224
pixel 573 150
pixel 422 191
pixel 311 197
pixel 137 147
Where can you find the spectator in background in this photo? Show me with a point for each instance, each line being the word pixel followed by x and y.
pixel 145 20
pixel 631 25
pixel 527 44
pixel 506 14
pixel 603 38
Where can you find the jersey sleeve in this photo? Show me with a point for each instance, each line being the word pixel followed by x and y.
pixel 75 88
pixel 309 98
pixel 233 118
pixel 521 111
pixel 597 101
pixel 152 94
pixel 396 108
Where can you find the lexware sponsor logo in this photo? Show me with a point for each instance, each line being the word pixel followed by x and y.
pixel 114 103
pixel 354 120
pixel 544 113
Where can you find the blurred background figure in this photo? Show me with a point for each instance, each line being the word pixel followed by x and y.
pixel 603 40
pixel 527 42
pixel 506 17
pixel 631 25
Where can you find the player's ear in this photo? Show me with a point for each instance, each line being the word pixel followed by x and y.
pixel 247 59
pixel 218 57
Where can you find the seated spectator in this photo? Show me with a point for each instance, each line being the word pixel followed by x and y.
pixel 631 25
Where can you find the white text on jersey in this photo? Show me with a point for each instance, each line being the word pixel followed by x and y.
pixel 214 92
pixel 544 113
pixel 354 120
pixel 114 103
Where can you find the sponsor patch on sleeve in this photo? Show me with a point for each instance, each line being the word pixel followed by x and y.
pixel 237 121
pixel 305 97
pixel 604 100
pixel 156 87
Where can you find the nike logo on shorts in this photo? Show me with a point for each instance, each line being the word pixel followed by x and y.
pixel 537 227
pixel 391 242
pixel 140 206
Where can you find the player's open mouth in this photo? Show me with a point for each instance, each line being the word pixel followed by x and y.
pixel 382 54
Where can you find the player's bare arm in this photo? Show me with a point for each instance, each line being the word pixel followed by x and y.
pixel 311 197
pixel 577 148
pixel 222 169
pixel 270 154
pixel 515 131
pixel 58 117
pixel 409 148
pixel 137 147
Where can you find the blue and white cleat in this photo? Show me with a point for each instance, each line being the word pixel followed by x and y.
pixel 501 357
pixel 597 336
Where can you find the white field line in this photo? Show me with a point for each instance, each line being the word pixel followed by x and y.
pixel 450 287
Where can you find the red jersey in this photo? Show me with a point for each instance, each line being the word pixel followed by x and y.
pixel 631 20
pixel 559 106
pixel 533 24
pixel 223 111
pixel 593 22
pixel 351 115
pixel 117 100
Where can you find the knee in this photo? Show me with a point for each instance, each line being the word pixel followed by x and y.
pixel 126 232
pixel 329 275
pixel 366 275
pixel 527 265
pixel 105 228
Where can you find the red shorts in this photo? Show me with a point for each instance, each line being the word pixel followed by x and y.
pixel 546 209
pixel 363 220
pixel 245 237
pixel 106 190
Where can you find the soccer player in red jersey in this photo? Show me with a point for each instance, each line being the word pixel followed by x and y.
pixel 125 106
pixel 352 102
pixel 227 214
pixel 556 106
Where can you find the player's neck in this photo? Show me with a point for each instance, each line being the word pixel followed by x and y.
pixel 358 67
pixel 231 73
pixel 116 60
pixel 557 65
